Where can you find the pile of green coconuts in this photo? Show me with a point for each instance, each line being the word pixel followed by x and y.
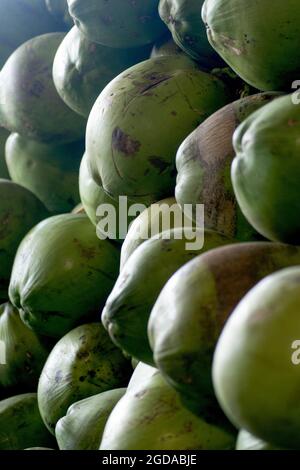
pixel 143 343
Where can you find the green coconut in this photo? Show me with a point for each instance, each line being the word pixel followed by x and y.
pixel 99 206
pixel 258 41
pixel 83 363
pixel 150 416
pixel 48 171
pixel 183 18
pixel 82 69
pixel 166 97
pixel 62 274
pixel 24 352
pixel 20 210
pixel 203 163
pixel 83 425
pixel 191 310
pixel 160 216
pixel 30 104
pixel 127 310
pixel 21 425
pixel 267 144
pixel 256 363
pixel 118 23
pixel 21 20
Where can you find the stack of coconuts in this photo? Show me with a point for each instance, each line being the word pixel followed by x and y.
pixel 149 343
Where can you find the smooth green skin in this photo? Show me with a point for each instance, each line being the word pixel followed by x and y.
pixel 82 69
pixel 118 23
pixel 30 104
pixel 83 425
pixel 166 97
pixel 60 10
pixel 262 48
pixel 93 195
pixel 83 363
pixel 142 372
pixel 21 425
pixel 183 18
pixel 246 441
pixel 4 134
pixel 20 210
pixel 266 171
pixel 150 223
pixel 254 376
pixel 203 163
pixel 191 310
pixel 21 20
pixel 128 308
pixel 150 416
pixel 62 274
pixel 25 352
pixel 48 171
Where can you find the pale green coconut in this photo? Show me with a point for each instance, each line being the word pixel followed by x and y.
pixel 140 119
pixel 150 416
pixel 83 363
pixel 62 274
pixel 83 425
